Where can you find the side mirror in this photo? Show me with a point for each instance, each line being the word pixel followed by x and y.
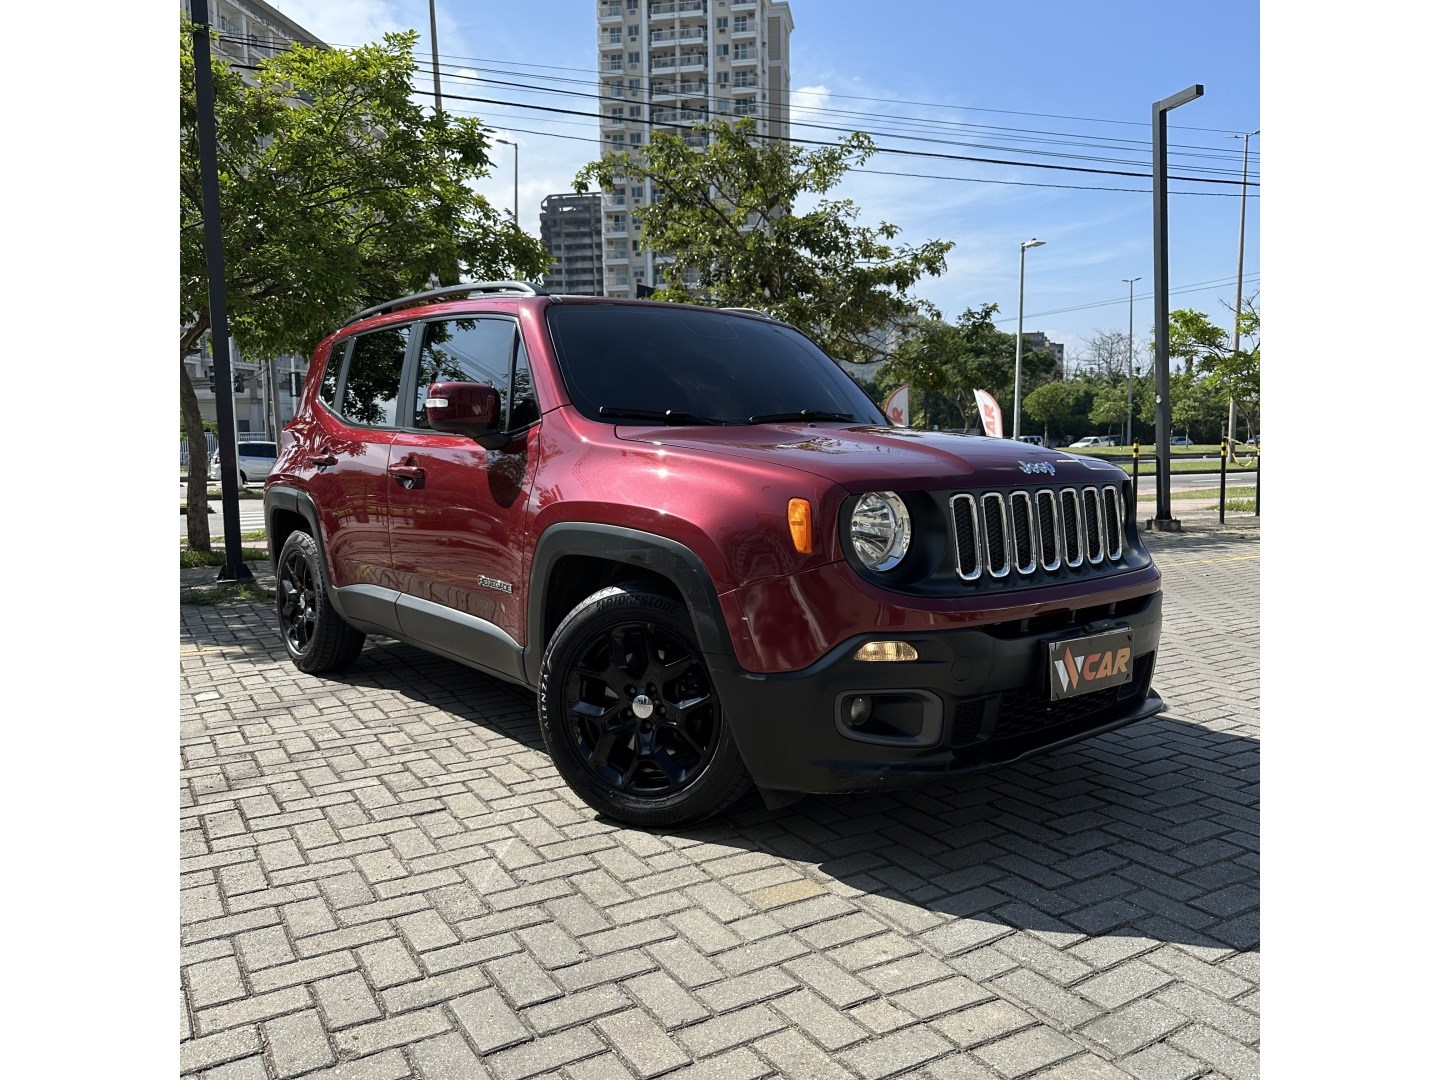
pixel 464 408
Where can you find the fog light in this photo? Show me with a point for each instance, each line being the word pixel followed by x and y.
pixel 887 651
pixel 859 712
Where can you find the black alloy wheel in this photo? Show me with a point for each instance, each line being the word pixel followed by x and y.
pixel 315 635
pixel 630 713
pixel 295 589
pixel 641 710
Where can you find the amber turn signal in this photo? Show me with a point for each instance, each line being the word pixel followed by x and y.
pixel 801 534
pixel 887 651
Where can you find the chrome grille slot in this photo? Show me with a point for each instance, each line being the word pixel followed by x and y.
pixel 1047 521
pixel 1094 539
pixel 1073 527
pixel 1022 529
pixel 1114 529
pixel 967 537
pixel 1035 531
pixel 996 534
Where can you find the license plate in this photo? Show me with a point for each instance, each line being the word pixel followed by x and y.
pixel 1085 664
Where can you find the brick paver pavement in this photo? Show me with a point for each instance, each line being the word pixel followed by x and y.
pixel 382 876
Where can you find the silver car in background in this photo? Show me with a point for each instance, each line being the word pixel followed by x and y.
pixel 253 460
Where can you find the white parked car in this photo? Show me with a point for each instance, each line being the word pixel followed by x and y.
pixel 1093 440
pixel 253 461
pixel 1181 440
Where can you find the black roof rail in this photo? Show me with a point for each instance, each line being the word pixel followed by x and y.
pixel 469 288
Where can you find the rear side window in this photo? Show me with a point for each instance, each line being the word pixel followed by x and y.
pixel 330 381
pixel 371 387
pixel 257 449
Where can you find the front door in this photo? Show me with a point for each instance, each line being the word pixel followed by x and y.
pixel 457 528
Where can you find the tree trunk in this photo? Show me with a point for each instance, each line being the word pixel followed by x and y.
pixel 197 522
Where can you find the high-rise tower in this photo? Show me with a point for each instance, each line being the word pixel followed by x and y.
pixel 669 65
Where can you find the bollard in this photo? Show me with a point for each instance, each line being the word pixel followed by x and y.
pixel 1135 482
pixel 1257 477
pixel 1224 453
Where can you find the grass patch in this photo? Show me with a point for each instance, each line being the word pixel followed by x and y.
pixel 230 593
pixel 253 534
pixel 1207 493
pixel 190 559
pixel 1239 506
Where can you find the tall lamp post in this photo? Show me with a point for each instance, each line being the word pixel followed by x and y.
pixel 435 56
pixel 1130 362
pixel 516 147
pixel 1160 158
pixel 1239 277
pixel 1020 332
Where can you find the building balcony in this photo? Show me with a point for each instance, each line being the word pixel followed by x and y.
pixel 679 116
pixel 613 230
pixel 611 13
pixel 743 5
pixel 615 63
pixel 738 59
pixel 612 123
pixel 690 33
pixel 608 45
pixel 694 62
pixel 696 142
pixel 747 31
pixel 676 7
pixel 611 259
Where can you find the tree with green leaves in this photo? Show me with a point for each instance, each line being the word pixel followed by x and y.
pixel 1234 373
pixel 726 215
pixel 1048 402
pixel 955 359
pixel 1108 408
pixel 337 191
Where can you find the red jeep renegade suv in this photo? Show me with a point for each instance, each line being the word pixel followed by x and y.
pixel 704 547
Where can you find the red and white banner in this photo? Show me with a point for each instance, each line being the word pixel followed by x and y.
pixel 990 415
pixel 897 406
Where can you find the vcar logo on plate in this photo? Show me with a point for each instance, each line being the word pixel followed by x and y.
pixel 1081 665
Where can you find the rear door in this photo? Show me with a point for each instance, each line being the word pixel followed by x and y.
pixel 458 530
pixel 347 452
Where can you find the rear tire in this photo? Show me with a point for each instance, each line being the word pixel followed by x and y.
pixel 630 715
pixel 315 636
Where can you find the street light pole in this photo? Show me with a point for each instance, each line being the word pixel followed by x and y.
pixel 1239 277
pixel 1160 191
pixel 516 147
pixel 1130 362
pixel 1020 332
pixel 435 56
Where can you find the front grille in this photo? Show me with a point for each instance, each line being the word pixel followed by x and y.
pixel 1037 530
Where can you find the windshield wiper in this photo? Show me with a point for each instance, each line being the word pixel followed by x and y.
pixel 666 416
pixel 801 414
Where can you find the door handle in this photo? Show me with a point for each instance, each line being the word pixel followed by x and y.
pixel 408 473
pixel 324 458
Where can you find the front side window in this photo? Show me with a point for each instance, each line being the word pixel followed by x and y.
pixel 478 350
pixel 371 385
pixel 691 360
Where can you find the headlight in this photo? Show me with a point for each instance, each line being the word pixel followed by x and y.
pixel 880 530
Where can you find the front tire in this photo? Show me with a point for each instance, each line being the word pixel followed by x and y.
pixel 315 635
pixel 630 715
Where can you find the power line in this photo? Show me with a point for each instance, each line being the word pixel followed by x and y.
pixel 1182 290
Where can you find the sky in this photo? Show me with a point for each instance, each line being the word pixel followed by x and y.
pixel 1054 83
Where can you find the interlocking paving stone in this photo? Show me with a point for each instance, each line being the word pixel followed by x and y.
pixel 385 867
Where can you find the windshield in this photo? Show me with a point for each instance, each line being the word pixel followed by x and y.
pixel 640 363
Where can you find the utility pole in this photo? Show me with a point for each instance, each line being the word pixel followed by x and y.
pixel 234 568
pixel 1130 362
pixel 1160 190
pixel 1239 277
pixel 435 56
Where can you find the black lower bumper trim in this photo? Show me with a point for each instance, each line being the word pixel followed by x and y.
pixel 993 689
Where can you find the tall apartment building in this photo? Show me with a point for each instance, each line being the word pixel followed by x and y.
pixel 570 231
pixel 668 65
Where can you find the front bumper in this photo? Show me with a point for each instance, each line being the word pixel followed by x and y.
pixel 975 699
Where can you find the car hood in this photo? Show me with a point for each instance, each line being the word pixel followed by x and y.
pixel 866 458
